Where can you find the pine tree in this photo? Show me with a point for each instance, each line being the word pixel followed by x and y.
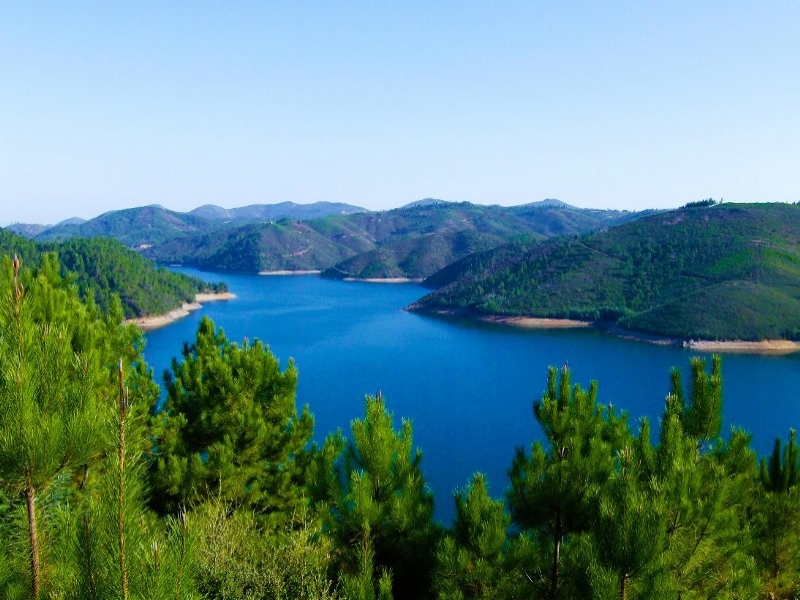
pixel 551 488
pixel 686 495
pixel 701 418
pixel 704 482
pixel 48 399
pixel 230 428
pixel 380 511
pixel 122 550
pixel 627 534
pixel 776 522
pixel 470 559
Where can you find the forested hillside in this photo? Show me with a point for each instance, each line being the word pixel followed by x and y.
pixel 729 271
pixel 413 242
pixel 109 494
pixel 103 268
pixel 154 224
pixel 134 227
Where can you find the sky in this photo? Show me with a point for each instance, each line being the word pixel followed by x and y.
pixel 625 105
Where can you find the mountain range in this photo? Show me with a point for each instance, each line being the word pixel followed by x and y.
pixel 342 240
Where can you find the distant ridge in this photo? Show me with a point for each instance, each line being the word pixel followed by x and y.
pixel 282 210
pixel 134 227
pixel 153 224
pixel 31 230
pixel 549 202
pixel 427 202
pixel 28 230
pixel 72 221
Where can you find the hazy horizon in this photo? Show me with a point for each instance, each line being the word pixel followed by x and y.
pixel 601 105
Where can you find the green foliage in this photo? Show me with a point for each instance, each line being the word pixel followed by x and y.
pixel 470 559
pixel 366 583
pixel 49 394
pixel 122 550
pixel 670 524
pixel 598 512
pixel 134 227
pixel 380 510
pixel 701 418
pixel 63 446
pixel 627 533
pixel 776 526
pixel 551 489
pixel 238 559
pixel 109 275
pixel 230 428
pixel 700 203
pixel 609 515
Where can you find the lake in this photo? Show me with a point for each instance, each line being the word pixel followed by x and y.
pixel 467 387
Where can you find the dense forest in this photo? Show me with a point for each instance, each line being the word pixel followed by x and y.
pixel 220 492
pixel 106 272
pixel 706 271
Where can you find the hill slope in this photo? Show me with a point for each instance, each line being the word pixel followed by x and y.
pixel 102 267
pixel 134 227
pixel 417 240
pixel 730 271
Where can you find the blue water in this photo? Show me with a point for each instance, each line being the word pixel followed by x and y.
pixel 467 387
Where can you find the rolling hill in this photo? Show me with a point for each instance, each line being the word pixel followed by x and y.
pixel 134 227
pixel 729 271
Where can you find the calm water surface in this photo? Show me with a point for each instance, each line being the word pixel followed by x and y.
pixel 467 387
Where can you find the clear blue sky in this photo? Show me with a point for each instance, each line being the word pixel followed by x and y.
pixel 625 105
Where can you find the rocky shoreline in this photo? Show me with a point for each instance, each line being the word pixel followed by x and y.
pixel 726 346
pixel 155 321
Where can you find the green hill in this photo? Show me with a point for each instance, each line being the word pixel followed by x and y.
pixel 413 258
pixel 135 227
pixel 282 245
pixel 102 268
pixel 729 271
pixel 419 239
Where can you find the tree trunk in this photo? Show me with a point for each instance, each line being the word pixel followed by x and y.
pixel 623 587
pixel 30 497
pixel 556 560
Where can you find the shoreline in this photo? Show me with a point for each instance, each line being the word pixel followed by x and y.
pixel 775 347
pixel 382 280
pixel 743 347
pixel 536 322
pixel 285 273
pixel 151 322
pixel 282 273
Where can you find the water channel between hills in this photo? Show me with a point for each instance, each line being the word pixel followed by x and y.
pixel 467 387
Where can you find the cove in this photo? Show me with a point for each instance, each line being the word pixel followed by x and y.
pixel 468 387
